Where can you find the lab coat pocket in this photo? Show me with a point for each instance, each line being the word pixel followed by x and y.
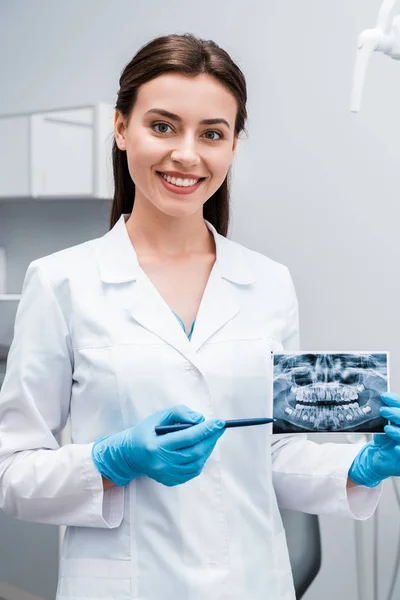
pixel 94 579
pixel 95 545
pixel 240 374
pixel 89 587
pixel 145 375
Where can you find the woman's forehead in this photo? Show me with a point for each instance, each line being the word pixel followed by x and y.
pixel 186 96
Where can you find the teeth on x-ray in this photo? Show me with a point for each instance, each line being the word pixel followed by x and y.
pixel 328 391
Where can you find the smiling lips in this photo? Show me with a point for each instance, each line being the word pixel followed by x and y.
pixel 178 174
pixel 179 185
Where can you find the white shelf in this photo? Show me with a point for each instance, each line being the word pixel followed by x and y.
pixel 10 297
pixel 60 154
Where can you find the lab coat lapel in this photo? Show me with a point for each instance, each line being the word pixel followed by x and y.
pixel 118 263
pixel 218 306
pixel 221 300
pixel 148 308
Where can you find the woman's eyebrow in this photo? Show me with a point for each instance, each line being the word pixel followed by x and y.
pixel 174 117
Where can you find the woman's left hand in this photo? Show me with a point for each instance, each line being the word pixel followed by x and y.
pixel 391 412
pixel 380 458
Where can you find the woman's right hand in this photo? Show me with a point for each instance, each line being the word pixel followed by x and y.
pixel 170 459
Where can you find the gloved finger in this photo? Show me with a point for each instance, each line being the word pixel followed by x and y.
pixel 380 439
pixel 199 451
pixel 393 432
pixel 180 414
pixel 395 460
pixel 178 472
pixel 391 399
pixel 164 469
pixel 192 435
pixel 178 479
pixel 391 414
pixel 194 467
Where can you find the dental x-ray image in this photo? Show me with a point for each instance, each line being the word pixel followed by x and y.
pixel 329 391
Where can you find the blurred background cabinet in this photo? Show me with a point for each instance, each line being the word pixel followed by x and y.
pixel 64 154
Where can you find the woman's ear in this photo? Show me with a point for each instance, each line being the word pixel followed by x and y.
pixel 119 130
pixel 235 141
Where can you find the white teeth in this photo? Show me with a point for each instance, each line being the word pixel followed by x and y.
pixel 355 409
pixel 326 416
pixel 178 181
pixel 335 416
pixel 331 405
pixel 333 393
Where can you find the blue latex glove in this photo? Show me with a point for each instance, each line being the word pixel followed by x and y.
pixel 380 458
pixel 171 459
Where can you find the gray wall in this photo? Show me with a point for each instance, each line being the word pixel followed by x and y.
pixel 28 557
pixel 315 187
pixel 28 230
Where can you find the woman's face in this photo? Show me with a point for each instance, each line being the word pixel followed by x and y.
pixel 160 143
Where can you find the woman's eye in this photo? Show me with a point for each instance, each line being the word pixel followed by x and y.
pixel 207 132
pixel 160 125
pixel 218 133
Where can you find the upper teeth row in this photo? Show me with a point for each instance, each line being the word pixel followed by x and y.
pixel 179 180
pixel 334 393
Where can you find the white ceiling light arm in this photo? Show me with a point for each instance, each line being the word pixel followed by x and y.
pixel 384 38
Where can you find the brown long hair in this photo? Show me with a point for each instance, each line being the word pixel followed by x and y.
pixel 191 56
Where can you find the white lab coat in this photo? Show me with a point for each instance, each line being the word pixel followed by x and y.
pixel 94 340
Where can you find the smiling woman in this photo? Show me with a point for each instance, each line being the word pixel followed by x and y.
pixel 199 86
pixel 164 320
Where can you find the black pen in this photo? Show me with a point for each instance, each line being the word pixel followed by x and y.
pixel 161 429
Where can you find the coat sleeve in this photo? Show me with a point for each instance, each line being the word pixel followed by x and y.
pixel 312 477
pixel 39 480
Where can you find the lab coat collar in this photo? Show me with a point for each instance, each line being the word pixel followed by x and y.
pixel 118 261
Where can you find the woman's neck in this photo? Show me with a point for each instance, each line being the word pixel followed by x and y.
pixel 156 234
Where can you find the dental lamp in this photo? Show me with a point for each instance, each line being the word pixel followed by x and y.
pixel 384 38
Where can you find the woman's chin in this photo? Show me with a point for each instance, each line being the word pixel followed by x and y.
pixel 179 210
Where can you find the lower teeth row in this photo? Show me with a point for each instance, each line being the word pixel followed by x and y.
pixel 338 415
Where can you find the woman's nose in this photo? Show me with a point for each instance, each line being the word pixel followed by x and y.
pixel 186 152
